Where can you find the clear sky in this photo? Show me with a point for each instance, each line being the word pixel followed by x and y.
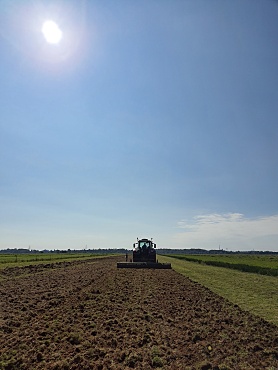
pixel 145 119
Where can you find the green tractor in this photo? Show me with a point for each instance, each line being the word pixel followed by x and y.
pixel 144 256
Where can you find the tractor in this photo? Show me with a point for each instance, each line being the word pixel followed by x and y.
pixel 144 256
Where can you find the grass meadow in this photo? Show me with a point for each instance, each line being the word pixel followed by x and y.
pixel 260 264
pixel 253 292
pixel 22 259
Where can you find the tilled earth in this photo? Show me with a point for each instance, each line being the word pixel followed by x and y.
pixel 89 315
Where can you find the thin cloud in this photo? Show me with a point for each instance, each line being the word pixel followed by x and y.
pixel 231 230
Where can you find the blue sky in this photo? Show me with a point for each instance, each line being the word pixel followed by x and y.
pixel 149 119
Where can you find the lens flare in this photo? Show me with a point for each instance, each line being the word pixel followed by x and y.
pixel 52 32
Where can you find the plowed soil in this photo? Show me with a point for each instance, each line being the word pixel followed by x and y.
pixel 89 315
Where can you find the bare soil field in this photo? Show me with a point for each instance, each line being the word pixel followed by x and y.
pixel 89 315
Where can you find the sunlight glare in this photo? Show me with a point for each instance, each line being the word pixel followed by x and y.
pixel 51 32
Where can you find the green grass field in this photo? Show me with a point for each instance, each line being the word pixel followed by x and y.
pixel 252 292
pixel 261 264
pixel 12 260
pixel 269 261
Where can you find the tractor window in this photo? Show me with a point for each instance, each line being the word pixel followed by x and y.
pixel 144 244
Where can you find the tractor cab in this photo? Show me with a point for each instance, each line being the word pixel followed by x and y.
pixel 144 251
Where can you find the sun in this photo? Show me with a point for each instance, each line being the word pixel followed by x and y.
pixel 51 32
